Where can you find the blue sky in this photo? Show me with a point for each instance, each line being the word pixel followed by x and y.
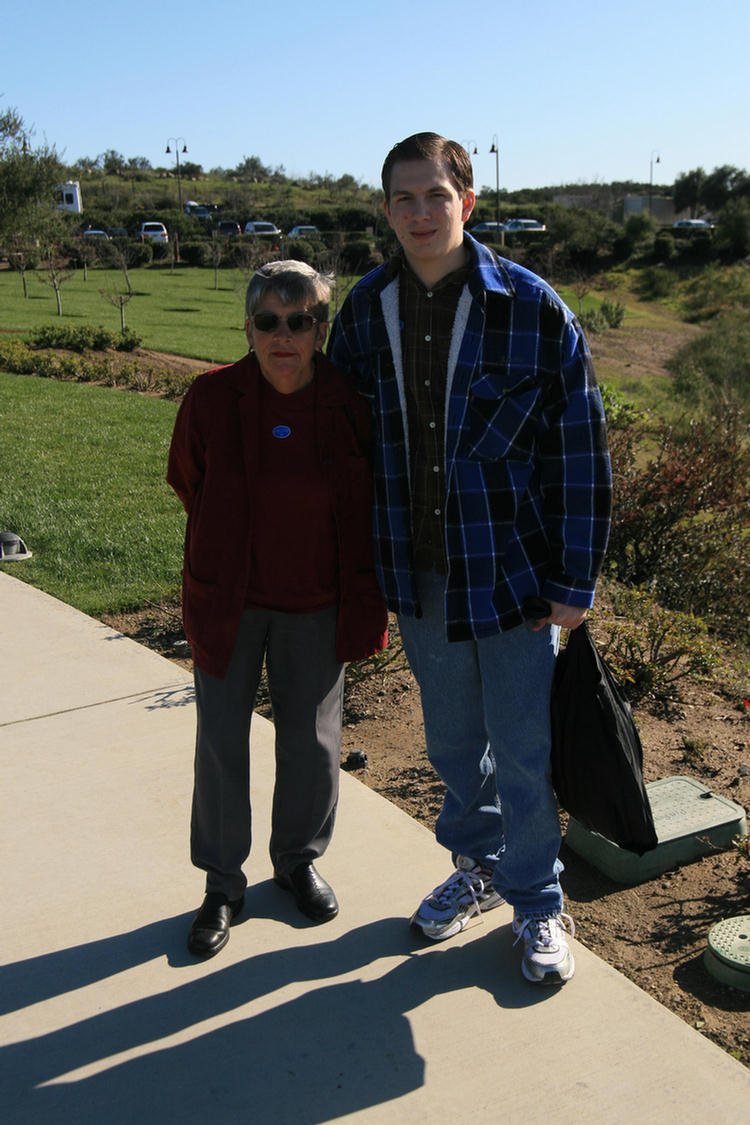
pixel 592 91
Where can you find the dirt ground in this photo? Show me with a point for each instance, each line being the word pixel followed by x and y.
pixel 655 932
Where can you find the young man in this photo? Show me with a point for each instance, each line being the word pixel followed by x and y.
pixel 493 490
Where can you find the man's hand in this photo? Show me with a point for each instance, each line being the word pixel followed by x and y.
pixel 566 616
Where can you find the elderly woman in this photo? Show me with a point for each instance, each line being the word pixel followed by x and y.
pixel 270 458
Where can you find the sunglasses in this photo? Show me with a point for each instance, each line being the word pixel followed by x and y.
pixel 295 322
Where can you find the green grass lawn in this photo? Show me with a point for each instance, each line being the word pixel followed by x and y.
pixel 83 484
pixel 178 312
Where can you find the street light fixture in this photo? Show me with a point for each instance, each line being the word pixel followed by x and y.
pixel 496 150
pixel 177 158
pixel 654 153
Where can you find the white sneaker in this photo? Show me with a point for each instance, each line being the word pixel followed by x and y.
pixel 546 955
pixel 468 891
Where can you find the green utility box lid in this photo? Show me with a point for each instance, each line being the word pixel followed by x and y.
pixel 727 956
pixel 690 821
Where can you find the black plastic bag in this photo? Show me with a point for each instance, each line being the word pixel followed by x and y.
pixel 597 756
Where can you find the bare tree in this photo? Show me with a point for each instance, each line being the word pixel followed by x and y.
pixel 58 270
pixel 119 301
pixel 217 253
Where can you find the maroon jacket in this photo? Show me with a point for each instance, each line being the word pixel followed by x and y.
pixel 213 468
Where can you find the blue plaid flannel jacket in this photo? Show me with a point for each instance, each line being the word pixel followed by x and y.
pixel 528 477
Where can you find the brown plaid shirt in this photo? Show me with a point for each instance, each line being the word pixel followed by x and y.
pixel 427 317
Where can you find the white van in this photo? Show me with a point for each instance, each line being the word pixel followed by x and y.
pixel 68 196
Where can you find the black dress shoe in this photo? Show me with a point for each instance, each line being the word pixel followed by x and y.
pixel 311 892
pixel 210 929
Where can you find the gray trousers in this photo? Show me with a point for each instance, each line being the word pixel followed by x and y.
pixel 306 685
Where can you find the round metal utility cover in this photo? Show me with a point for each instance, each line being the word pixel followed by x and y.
pixel 728 954
pixel 12 547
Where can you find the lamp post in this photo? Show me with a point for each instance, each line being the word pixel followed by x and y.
pixel 177 158
pixel 654 153
pixel 496 150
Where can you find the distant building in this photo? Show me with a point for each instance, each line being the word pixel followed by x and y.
pixel 660 207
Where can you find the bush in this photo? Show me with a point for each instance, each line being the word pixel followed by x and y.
pixel 620 411
pixel 663 247
pixel 712 371
pixel 680 524
pixel 650 649
pixel 77 338
pixel 656 282
pixel 358 256
pixel 610 314
pixel 593 322
pixel 161 251
pixel 140 254
pixel 733 234
pixel 301 250
pixel 613 312
pixel 196 254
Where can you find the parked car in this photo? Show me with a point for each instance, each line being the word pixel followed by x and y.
pixel 96 234
pixel 262 228
pixel 228 228
pixel 692 224
pixel 153 232
pixel 304 232
pixel 199 210
pixel 487 228
pixel 117 232
pixel 524 224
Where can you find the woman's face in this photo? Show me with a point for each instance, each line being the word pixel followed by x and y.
pixel 285 357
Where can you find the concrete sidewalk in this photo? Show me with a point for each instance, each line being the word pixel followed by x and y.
pixel 106 1018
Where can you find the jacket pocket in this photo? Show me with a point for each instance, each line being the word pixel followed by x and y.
pixel 501 420
pixel 198 587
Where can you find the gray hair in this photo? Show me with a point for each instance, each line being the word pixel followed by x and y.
pixel 294 283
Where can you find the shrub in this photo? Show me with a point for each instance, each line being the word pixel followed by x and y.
pixel 358 256
pixel 77 338
pixel 161 251
pixel 17 357
pixel 140 254
pixel 663 247
pixel 733 234
pixel 656 282
pixel 613 313
pixel 196 254
pixel 301 250
pixel 593 322
pixel 712 371
pixel 680 522
pixel 620 411
pixel 650 648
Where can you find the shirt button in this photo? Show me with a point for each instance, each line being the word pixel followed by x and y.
pixel 427 382
pixel 432 425
pixel 437 511
pixel 428 338
pixel 436 468
pixel 430 293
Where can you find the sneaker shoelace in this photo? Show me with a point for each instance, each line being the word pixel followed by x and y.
pixel 544 929
pixel 472 881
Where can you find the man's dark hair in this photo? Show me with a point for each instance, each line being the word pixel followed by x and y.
pixel 430 146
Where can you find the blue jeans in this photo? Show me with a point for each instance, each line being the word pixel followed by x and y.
pixel 486 717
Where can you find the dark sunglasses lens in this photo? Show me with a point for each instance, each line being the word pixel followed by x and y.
pixel 296 322
pixel 300 322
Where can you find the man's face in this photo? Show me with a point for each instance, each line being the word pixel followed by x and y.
pixel 426 211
